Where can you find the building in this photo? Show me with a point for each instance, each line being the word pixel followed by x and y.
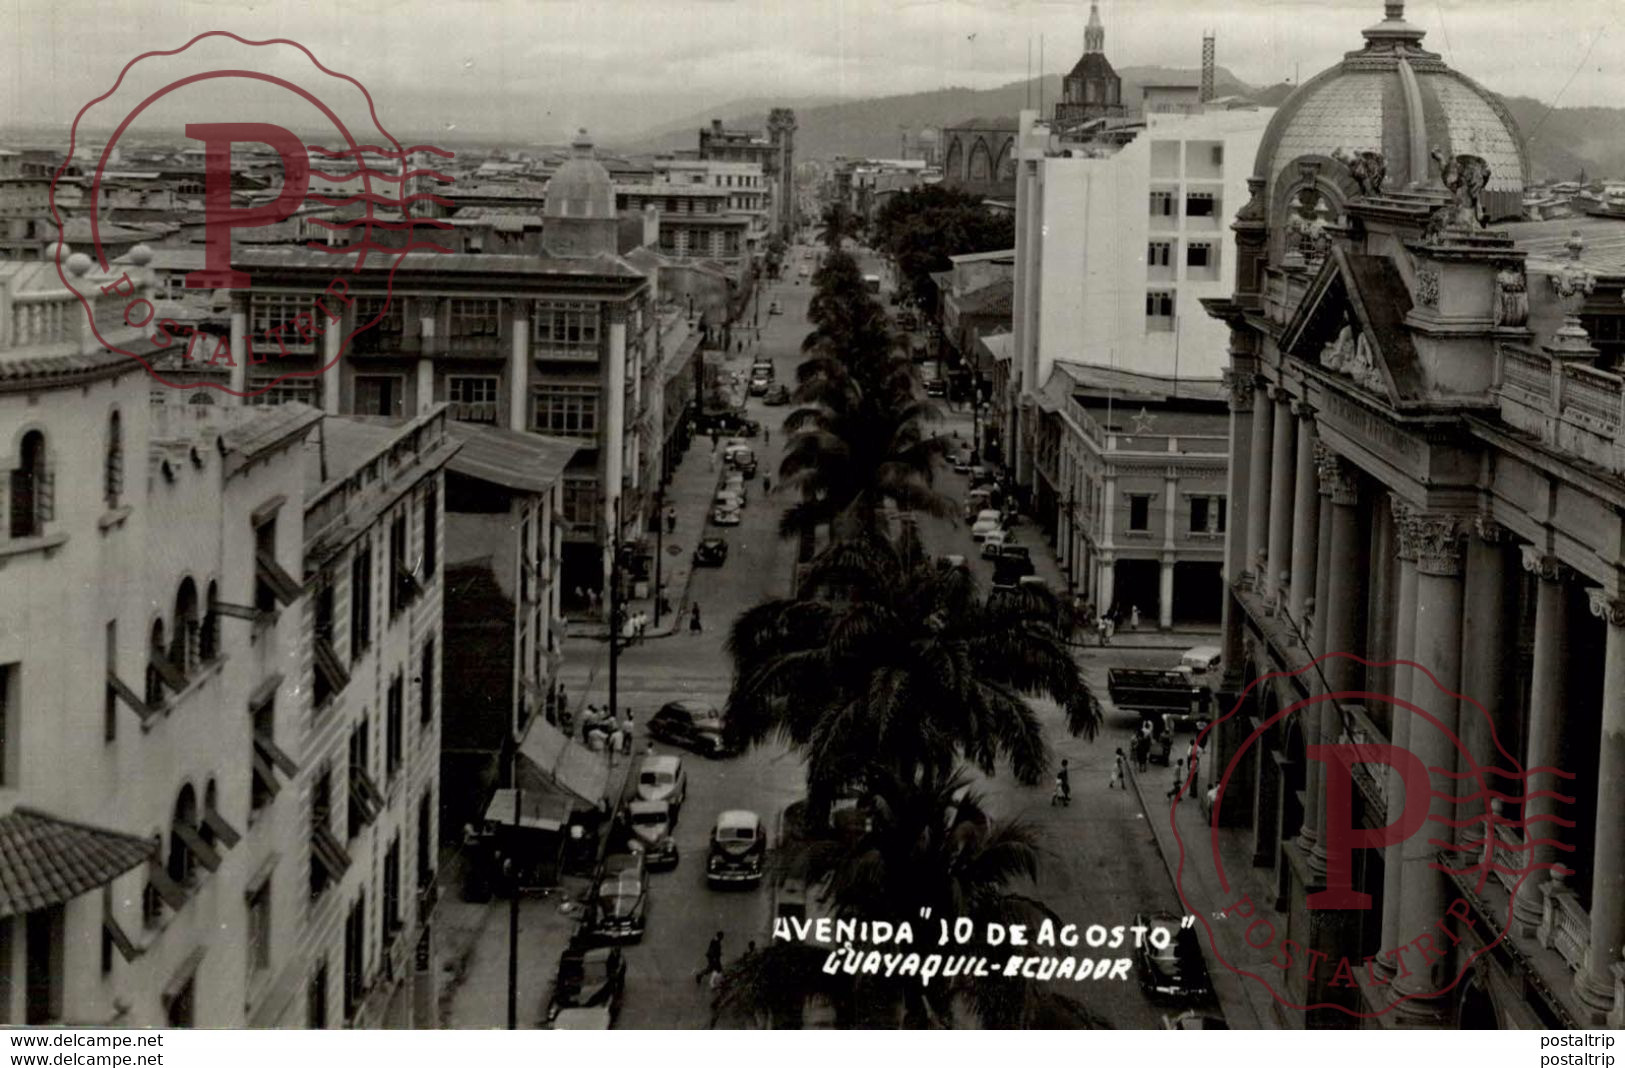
pixel 979 156
pixel 696 220
pixel 774 151
pixel 978 293
pixel 191 872
pixel 1092 89
pixel 746 185
pixel 1428 469
pixel 504 618
pixel 561 342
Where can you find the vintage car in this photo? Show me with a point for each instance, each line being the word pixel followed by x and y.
pixel 741 458
pixel 777 396
pixel 712 551
pixel 661 777
pixel 694 725
pixel 620 899
pixel 763 369
pixel 586 993
pixel 735 484
pixel 987 521
pixel 726 515
pixel 759 386
pixel 651 824
pixel 1176 971
pixel 729 422
pixel 738 851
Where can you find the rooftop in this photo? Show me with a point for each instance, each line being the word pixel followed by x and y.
pixel 540 264
pixel 1544 239
pixel 530 463
pixel 46 861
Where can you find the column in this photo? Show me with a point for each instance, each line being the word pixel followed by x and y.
pixel 1379 637
pixel 1238 503
pixel 1281 479
pixel 1108 582
pixel 1424 892
pixel 1306 517
pixel 332 345
pixel 1170 520
pixel 1258 481
pixel 1486 617
pixel 1342 609
pixel 1548 716
pixel 1107 556
pixel 1595 983
pixel 612 432
pixel 239 350
pixel 1323 561
pixel 519 370
pixel 425 384
pixel 1400 718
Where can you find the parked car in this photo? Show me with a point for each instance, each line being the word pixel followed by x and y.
pixel 661 777
pixel 735 484
pixel 587 988
pixel 738 849
pixel 1200 660
pixel 620 899
pixel 763 369
pixel 1175 972
pixel 987 521
pixel 936 387
pixel 993 543
pixel 651 824
pixel 1012 565
pixel 980 475
pixel 694 725
pixel 977 501
pixel 712 551
pixel 729 422
pixel 741 458
pixel 1155 692
pixel 725 516
pixel 777 396
pixel 962 459
pixel 758 386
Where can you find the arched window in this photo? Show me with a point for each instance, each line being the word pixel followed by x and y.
pixel 113 467
pixel 181 865
pixel 183 652
pixel 211 803
pixel 31 498
pixel 209 638
pixel 155 680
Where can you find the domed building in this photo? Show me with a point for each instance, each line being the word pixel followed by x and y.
pixel 1427 502
pixel 578 214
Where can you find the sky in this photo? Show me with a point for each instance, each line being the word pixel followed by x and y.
pixel 532 71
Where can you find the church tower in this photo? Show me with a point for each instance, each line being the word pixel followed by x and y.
pixel 1092 90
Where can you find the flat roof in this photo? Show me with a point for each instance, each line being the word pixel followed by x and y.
pixel 1543 239
pixel 540 264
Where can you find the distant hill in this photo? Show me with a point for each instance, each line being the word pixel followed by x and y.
pixel 1562 143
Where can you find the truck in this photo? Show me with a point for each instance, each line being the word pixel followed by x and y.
pixel 1156 692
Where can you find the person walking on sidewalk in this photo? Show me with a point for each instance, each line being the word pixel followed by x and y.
pixel 1119 772
pixel 1179 780
pixel 694 618
pixel 1142 751
pixel 671 519
pixel 626 733
pixel 1063 787
pixel 1134 617
pixel 713 959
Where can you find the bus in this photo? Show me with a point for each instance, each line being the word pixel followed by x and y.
pixel 872 283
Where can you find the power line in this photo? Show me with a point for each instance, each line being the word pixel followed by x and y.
pixel 1553 105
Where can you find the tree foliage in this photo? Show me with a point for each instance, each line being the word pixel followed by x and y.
pixel 921 227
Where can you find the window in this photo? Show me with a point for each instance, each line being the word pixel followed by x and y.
pixel 355 960
pixel 272 585
pixel 110 705
pixel 473 398
pixel 475 318
pixel 393 728
pixel 1200 205
pixel 266 756
pixel 10 725
pixel 180 1006
pixel 31 490
pixel 316 998
pixel 403 581
pixel 426 684
pixel 388 314
pixel 259 928
pixel 390 914
pixel 276 312
pixel 1198 254
pixel 184 647
pixel 360 601
pixel 378 394
pixel 1199 515
pixel 566 328
pixel 43 965
pixel 365 800
pixel 187 848
pixel 113 463
pixel 261 392
pixel 581 503
pixel 571 411
pixel 425 840
pixel 331 675
pixel 1139 511
pixel 430 561
pixel 1218 156
pixel 209 636
pixel 1158 253
pixel 328 859
pixel 1159 310
pixel 1162 204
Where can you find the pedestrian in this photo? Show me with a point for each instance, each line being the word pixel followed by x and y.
pixel 713 959
pixel 626 733
pixel 767 436
pixel 1100 630
pixel 711 459
pixel 1142 751
pixel 1119 772
pixel 671 519
pixel 1194 758
pixel 767 484
pixel 715 439
pixel 1179 780
pixel 1111 628
pixel 1134 617
pixel 1063 786
pixel 694 618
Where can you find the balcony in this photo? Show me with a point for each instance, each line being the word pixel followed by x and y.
pixel 1567 404
pixel 473 411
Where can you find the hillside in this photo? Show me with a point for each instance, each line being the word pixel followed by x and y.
pixel 1562 143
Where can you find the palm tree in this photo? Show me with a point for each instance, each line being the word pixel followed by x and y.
pixel 836 225
pixel 884 660
pixel 926 846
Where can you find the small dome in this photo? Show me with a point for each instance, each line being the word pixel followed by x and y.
pixel 581 188
pixel 1396 98
pixel 79 264
pixel 58 252
pixel 141 255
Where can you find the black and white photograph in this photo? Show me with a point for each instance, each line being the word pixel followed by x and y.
pixel 855 515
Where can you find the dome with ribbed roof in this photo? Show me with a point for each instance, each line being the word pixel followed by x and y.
pixel 581 188
pixel 1394 97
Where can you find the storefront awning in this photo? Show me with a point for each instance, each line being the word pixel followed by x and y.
pixel 564 764
pixel 46 861
pixel 538 810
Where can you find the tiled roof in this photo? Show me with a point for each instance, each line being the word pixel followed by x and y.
pixel 996 298
pixel 45 861
pixel 438 263
pixel 518 460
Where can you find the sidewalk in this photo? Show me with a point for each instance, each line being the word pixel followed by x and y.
pixel 1245 1003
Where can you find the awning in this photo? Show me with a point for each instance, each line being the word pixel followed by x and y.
pixel 569 766
pixel 538 810
pixel 46 861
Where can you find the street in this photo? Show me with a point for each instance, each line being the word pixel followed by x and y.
pixel 1100 864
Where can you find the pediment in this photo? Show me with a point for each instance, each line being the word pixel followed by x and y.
pixel 1351 322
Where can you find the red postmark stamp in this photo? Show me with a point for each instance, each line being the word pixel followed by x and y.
pixel 354 199
pixel 1457 824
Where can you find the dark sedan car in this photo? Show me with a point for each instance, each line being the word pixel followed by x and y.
pixel 589 980
pixel 712 551
pixel 620 900
pixel 729 423
pixel 1174 972
pixel 691 724
pixel 778 395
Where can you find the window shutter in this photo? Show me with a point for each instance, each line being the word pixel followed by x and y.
pixel 45 492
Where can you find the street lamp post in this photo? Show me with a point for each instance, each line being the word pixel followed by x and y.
pixel 660 530
pixel 615 610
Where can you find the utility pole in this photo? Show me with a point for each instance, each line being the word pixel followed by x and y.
pixel 511 863
pixel 615 612
pixel 660 530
